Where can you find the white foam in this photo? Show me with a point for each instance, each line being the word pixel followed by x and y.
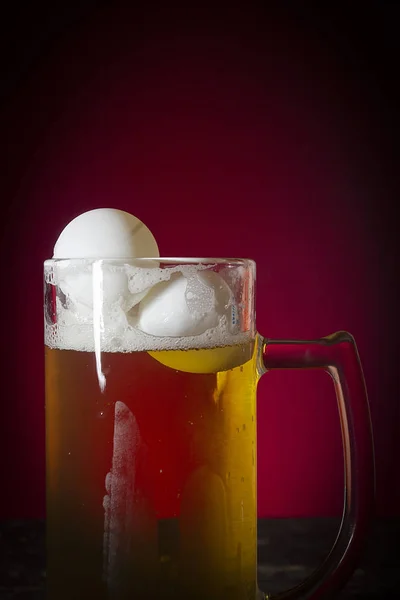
pixel 116 327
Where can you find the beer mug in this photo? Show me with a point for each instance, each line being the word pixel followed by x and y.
pixel 151 374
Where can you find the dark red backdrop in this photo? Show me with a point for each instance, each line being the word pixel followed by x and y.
pixel 227 137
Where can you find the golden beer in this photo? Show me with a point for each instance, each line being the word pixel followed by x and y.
pixel 151 481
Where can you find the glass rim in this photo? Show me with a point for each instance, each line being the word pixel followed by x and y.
pixel 172 260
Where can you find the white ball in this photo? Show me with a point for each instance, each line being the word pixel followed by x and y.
pixel 184 306
pixel 102 233
pixel 106 233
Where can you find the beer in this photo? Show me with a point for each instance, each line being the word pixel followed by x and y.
pixel 150 483
pixel 151 438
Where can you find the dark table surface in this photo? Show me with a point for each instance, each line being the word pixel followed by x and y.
pixel 288 551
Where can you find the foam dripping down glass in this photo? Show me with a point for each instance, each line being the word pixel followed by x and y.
pixel 152 366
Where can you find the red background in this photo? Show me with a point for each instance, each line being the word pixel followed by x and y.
pixel 238 135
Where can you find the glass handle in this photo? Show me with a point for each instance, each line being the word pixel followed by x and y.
pixel 337 354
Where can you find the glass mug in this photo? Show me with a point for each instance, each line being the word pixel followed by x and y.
pixel 151 374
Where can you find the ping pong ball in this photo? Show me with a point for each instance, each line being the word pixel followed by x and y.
pixel 184 306
pixel 204 360
pixel 106 233
pixel 190 306
pixel 96 234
